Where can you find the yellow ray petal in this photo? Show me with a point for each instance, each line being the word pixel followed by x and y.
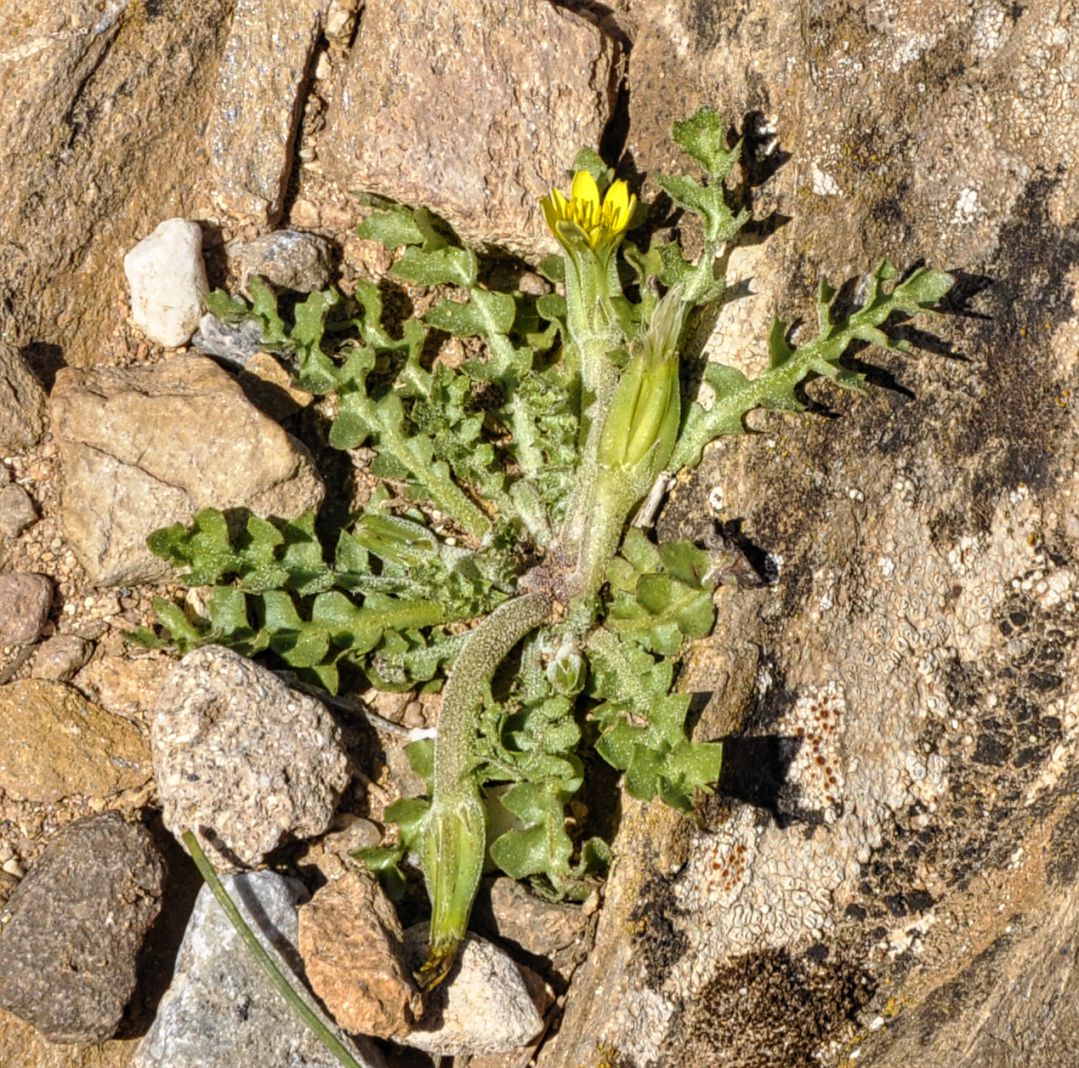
pixel 584 189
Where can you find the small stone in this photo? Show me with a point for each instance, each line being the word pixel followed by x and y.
pixel 221 1009
pixel 351 945
pixel 485 1007
pixel 290 259
pixel 60 657
pixel 24 607
pixel 233 342
pixel 17 511
pixel 75 925
pixel 13 868
pixel 239 753
pixel 168 281
pixel 22 402
pixel 358 834
pixel 56 744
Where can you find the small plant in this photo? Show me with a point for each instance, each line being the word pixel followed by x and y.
pixel 503 522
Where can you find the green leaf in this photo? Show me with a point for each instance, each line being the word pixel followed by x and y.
pixel 445 266
pixel 485 313
pixel 704 137
pixel 394 227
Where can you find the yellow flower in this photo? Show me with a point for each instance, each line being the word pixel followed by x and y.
pixel 582 217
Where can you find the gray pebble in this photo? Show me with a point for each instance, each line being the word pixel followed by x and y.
pixel 60 657
pixel 234 342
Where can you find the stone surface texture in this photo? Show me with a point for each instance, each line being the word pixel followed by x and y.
pixel 905 700
pixel 239 753
pixel 21 1045
pixel 351 945
pixel 485 1006
pixel 55 744
pixel 221 1008
pixel 71 934
pixel 148 446
pixel 22 402
pixel 167 280
pixel 102 104
pixel 539 81
pixel 290 259
pixel 24 607
pixel 252 130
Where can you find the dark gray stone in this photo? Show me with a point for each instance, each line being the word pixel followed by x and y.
pixel 235 343
pixel 71 933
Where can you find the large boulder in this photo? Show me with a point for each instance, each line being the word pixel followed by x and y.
pixel 147 446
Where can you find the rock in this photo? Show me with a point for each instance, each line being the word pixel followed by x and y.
pixel 221 1008
pixel 167 281
pixel 541 82
pixel 24 607
pixel 22 402
pixel 234 342
pixel 270 388
pixel 17 511
pixel 143 447
pixel 252 129
pixel 237 752
pixel 485 1007
pixel 71 933
pixel 55 744
pixel 21 1045
pixel 102 109
pixel 60 657
pixel 123 686
pixel 557 932
pixel 289 259
pixel 351 945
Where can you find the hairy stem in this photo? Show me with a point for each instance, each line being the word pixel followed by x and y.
pixel 455 832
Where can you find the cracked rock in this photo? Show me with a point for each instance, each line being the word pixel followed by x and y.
pixel 71 933
pixel 240 754
pixel 142 447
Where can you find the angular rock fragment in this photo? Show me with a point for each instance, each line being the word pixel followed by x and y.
pixel 290 259
pixel 540 84
pixel 22 402
pixel 233 342
pixel 240 754
pixel 351 944
pixel 253 125
pixel 143 447
pixel 71 932
pixel 17 511
pixel 485 1006
pixel 167 280
pixel 24 607
pixel 55 744
pixel 221 1009
pixel 60 657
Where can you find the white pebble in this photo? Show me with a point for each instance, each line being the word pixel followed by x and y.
pixel 168 281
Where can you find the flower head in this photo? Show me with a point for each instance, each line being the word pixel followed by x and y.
pixel 583 219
